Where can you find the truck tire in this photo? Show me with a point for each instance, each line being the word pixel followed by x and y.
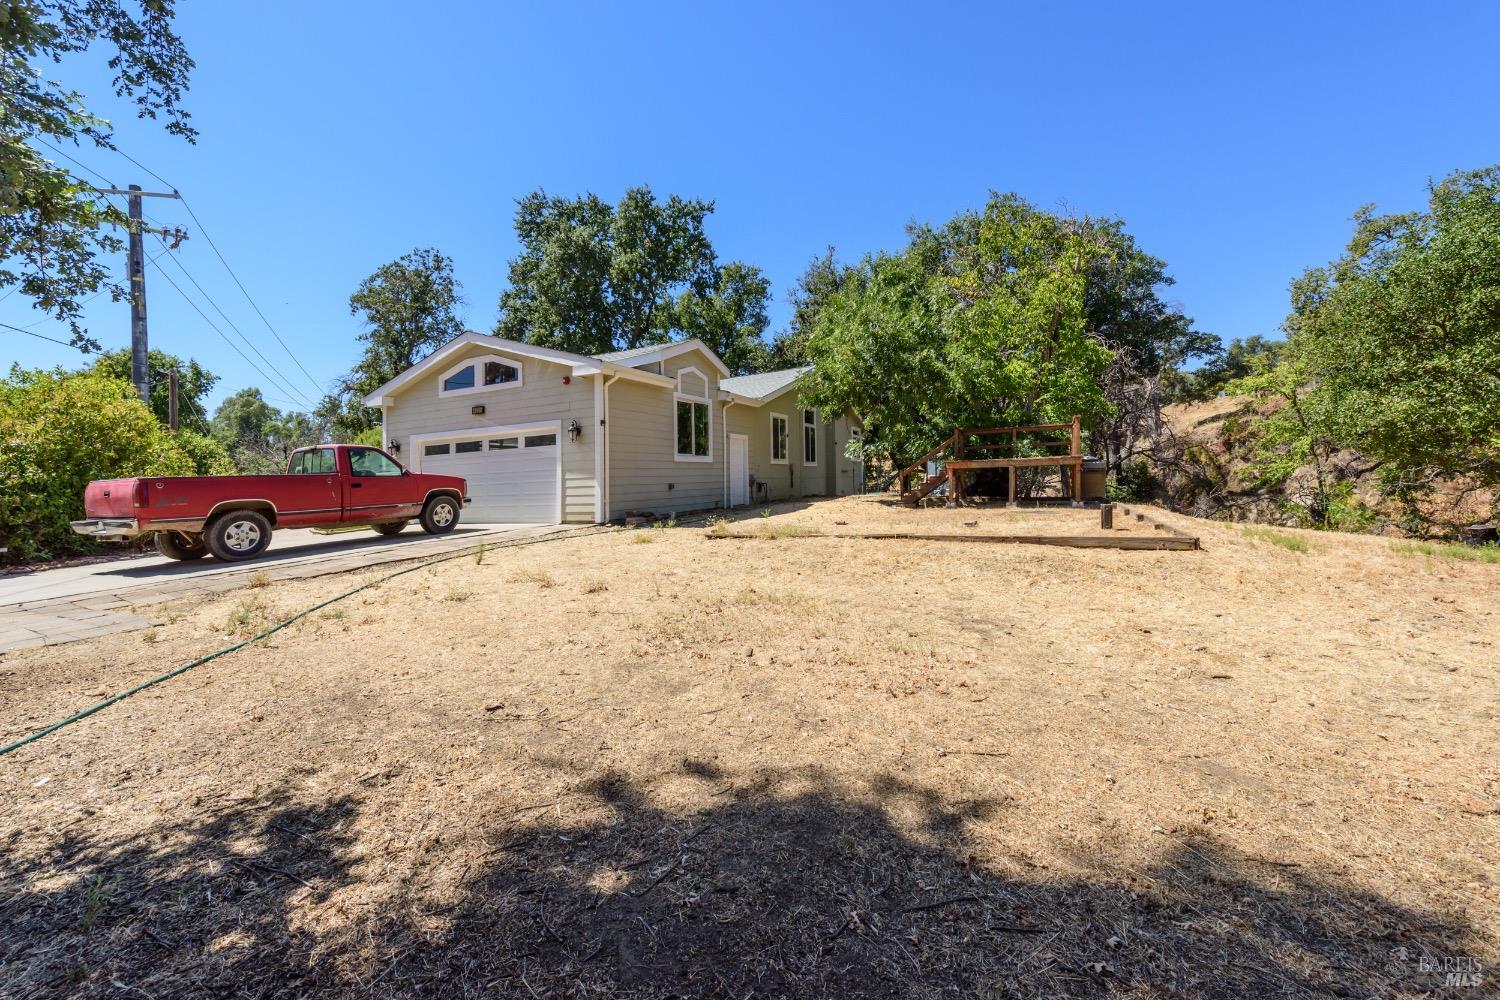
pixel 440 516
pixel 391 529
pixel 238 535
pixel 176 545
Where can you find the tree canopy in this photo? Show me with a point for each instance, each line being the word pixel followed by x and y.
pixel 1392 351
pixel 732 319
pixel 1010 315
pixel 593 277
pixel 53 225
pixel 410 308
pixel 194 382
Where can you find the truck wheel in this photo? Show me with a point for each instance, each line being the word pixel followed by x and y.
pixel 176 545
pixel 390 529
pixel 239 534
pixel 440 516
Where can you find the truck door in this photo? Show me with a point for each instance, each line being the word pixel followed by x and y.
pixel 310 490
pixel 378 489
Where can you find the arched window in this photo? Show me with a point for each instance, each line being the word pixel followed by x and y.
pixel 693 418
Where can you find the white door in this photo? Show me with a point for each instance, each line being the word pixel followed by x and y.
pixel 512 477
pixel 739 470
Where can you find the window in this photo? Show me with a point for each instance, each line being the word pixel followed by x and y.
pixel 693 423
pixel 778 438
pixel 467 447
pixel 482 374
pixel 498 373
pixel 370 462
pixel 541 440
pixel 504 444
pixel 435 449
pixel 809 437
pixel 313 462
pixel 461 379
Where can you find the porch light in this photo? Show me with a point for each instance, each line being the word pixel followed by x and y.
pixel 395 447
pixel 574 431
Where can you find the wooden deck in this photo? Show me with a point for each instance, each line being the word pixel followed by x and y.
pixel 966 440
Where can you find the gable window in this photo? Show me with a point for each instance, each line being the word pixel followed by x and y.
pixel 778 438
pixel 693 418
pixel 499 373
pixel 480 374
pixel 809 437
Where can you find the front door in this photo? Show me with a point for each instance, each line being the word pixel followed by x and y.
pixel 739 470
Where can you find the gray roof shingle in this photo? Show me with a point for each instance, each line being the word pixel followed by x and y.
pixel 764 384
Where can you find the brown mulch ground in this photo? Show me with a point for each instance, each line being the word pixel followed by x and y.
pixel 653 764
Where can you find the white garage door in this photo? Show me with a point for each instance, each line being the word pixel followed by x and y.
pixel 512 477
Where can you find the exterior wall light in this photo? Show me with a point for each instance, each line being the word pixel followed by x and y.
pixel 574 431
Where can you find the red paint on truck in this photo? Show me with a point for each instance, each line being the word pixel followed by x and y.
pixel 325 485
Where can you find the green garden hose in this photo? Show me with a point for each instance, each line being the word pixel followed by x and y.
pixel 85 713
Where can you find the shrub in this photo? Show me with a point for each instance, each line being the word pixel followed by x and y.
pixel 1134 483
pixel 58 431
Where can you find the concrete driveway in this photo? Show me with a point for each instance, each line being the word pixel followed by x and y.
pixel 79 602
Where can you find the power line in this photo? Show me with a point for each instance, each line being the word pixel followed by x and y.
pixel 39 336
pixel 215 329
pixel 285 384
pixel 76 162
pixel 244 291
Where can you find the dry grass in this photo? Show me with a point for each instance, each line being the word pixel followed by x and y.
pixel 809 767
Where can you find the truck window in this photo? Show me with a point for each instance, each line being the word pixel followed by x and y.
pixel 313 462
pixel 369 462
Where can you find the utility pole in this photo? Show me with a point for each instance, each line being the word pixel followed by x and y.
pixel 172 399
pixel 136 271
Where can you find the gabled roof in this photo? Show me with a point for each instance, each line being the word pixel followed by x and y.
pixel 649 353
pixel 764 385
pixel 581 364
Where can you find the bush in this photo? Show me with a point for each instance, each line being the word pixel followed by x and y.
pixel 1134 483
pixel 59 431
pixel 209 456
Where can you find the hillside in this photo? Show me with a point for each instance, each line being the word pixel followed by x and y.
pixel 1205 465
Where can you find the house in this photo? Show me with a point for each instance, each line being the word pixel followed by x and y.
pixel 546 436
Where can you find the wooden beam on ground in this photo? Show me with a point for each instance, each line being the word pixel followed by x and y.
pixel 1159 543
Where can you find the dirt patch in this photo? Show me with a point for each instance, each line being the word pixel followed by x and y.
pixel 808 767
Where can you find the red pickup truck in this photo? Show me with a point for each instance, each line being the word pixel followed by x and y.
pixel 233 516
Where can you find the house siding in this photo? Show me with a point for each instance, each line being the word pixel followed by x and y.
pixel 417 409
pixel 834 474
pixel 644 474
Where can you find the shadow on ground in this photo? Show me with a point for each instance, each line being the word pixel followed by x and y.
pixel 788 887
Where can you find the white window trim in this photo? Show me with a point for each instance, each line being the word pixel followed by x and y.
pixel 685 397
pixel 805 425
pixel 478 386
pixel 784 459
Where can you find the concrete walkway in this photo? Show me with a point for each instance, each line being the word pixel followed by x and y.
pixel 79 602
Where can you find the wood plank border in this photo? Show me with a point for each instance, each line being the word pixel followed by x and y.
pixel 1162 543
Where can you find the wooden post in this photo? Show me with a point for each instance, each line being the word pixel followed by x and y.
pixel 1077 460
pixel 1010 486
pixel 1106 516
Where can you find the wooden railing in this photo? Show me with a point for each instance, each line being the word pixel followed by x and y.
pixel 967 454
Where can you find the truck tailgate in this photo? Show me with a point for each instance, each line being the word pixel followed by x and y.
pixel 110 498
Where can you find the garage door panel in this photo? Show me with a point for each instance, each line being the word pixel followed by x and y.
pixel 511 484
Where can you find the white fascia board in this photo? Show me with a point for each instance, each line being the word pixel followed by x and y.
pixel 381 396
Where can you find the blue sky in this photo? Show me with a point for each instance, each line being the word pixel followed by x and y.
pixel 1234 141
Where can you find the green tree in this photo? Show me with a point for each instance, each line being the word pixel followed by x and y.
pixel 194 382
pixel 409 308
pixel 58 431
pixel 258 436
pixel 1399 338
pixel 824 276
pixel 1239 359
pixel 593 277
pixel 732 320
pixel 52 223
